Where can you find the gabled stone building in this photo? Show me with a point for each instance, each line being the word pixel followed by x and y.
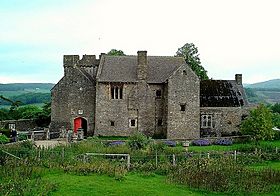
pixel 157 95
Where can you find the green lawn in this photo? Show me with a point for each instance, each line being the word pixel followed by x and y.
pixel 233 147
pixel 133 184
pixel 268 164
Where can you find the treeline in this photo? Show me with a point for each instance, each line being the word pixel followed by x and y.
pixel 29 98
pixel 24 86
pixel 41 115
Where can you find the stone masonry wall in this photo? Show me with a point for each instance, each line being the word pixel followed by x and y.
pixel 226 120
pixel 183 89
pixel 20 125
pixel 139 102
pixel 72 97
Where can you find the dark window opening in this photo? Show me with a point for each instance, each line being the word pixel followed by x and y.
pixel 132 122
pixel 158 93
pixel 241 102
pixel 184 72
pixel 159 122
pixel 112 123
pixel 116 91
pixel 121 93
pixel 183 107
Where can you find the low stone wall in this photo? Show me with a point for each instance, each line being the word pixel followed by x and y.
pixel 19 125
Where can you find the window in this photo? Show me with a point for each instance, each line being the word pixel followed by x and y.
pixel 112 123
pixel 184 72
pixel 158 93
pixel 116 91
pixel 206 121
pixel 132 122
pixel 183 107
pixel 159 122
pixel 12 126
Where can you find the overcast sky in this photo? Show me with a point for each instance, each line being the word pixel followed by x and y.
pixel 232 36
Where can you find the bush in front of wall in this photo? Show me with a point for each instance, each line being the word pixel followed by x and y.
pixel 4 139
pixel 138 141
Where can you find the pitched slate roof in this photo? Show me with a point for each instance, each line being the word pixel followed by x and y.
pixel 221 93
pixel 124 68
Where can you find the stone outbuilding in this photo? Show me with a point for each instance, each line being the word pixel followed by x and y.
pixel 157 95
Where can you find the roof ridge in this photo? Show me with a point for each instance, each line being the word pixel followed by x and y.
pixel 147 56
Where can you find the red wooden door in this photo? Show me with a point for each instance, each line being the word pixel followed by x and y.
pixel 77 124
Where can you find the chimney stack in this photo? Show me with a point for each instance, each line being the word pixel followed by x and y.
pixel 142 67
pixel 238 79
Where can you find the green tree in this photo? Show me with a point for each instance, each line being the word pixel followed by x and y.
pixel 276 120
pixel 43 118
pixel 276 108
pixel 259 124
pixel 115 52
pixel 190 53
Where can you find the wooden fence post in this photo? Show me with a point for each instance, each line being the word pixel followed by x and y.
pixel 62 153
pixel 84 158
pixel 208 155
pixel 235 155
pixel 128 162
pixel 173 160
pixel 156 159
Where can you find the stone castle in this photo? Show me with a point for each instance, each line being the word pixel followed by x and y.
pixel 157 95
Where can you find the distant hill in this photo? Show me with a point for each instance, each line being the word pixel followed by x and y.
pixel 27 93
pixel 270 84
pixel 26 86
pixel 264 92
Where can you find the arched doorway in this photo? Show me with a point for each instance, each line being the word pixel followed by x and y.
pixel 80 123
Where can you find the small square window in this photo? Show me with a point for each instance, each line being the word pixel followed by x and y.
pixel 132 122
pixel 183 107
pixel 159 122
pixel 112 123
pixel 158 93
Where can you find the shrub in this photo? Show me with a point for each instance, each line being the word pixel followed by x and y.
pixel 4 139
pixel 201 142
pixel 259 124
pixel 6 132
pixel 224 175
pixel 138 141
pixel 22 136
pixel 224 142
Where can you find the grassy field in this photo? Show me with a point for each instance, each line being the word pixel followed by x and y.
pixel 268 144
pixel 268 164
pixel 133 184
pixel 60 171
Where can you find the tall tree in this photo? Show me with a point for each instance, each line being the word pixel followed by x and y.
pixel 115 52
pixel 190 53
